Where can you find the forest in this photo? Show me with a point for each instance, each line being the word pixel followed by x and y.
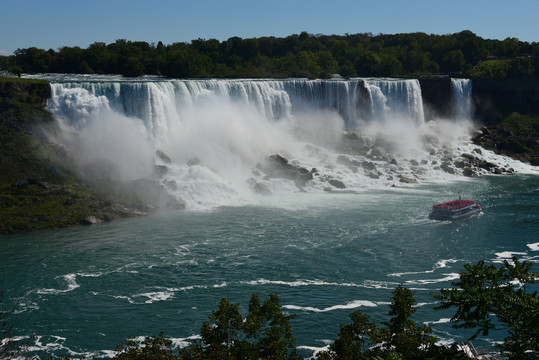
pixel 301 55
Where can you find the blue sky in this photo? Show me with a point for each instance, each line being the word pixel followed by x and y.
pixel 51 24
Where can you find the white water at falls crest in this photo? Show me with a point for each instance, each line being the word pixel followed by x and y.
pixel 208 142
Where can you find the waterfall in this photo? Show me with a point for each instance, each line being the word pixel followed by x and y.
pixel 207 142
pixel 158 103
pixel 461 99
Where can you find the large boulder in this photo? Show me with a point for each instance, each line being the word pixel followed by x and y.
pixel 278 166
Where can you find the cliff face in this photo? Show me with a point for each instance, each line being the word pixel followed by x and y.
pixel 493 99
pixel 436 94
pixel 38 187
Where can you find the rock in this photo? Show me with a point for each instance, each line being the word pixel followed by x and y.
pixel 337 183
pixel 165 158
pixel 468 172
pixel 477 151
pixel 424 162
pixel 171 185
pixel 376 153
pixel 368 165
pixel 460 164
pixel 373 175
pixel 393 161
pixel 278 167
pixel 406 180
pixel 90 220
pixel 414 162
pixel 447 168
pixel 259 187
pixel 161 170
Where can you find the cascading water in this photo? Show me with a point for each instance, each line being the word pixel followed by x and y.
pixel 216 137
pixel 461 98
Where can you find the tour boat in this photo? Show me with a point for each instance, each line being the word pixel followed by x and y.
pixel 454 210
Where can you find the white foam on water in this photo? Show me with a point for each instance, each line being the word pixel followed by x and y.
pixel 298 283
pixel 506 255
pixel 440 321
pixel 439 265
pixel 447 277
pixel 351 305
pixel 70 279
pixel 534 246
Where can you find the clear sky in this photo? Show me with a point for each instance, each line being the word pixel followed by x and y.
pixel 51 24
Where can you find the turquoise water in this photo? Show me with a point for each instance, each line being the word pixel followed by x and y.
pixel 83 290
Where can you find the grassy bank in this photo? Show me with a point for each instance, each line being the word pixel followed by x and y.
pixel 38 187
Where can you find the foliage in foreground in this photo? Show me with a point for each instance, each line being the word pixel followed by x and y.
pixel 487 298
pixel 490 298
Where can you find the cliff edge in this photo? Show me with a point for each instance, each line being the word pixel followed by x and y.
pixel 38 186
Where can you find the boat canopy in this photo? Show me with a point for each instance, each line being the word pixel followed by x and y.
pixel 454 205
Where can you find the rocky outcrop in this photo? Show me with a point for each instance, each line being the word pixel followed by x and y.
pixel 278 166
pixel 503 141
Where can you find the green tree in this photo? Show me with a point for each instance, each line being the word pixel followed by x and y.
pixel 265 333
pixel 151 348
pixel 491 298
pixel 352 339
pixel 401 334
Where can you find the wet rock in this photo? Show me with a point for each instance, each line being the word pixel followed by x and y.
pixel 171 185
pixel 337 183
pixel 261 189
pixel 353 143
pixel 407 180
pixel 447 168
pixel 279 167
pixel 368 165
pixel 161 170
pixel 468 172
pixel 164 157
pixel 373 175
pixel 90 220
pixel 477 151
pixel 414 162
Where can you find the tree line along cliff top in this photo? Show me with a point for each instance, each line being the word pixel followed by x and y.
pixel 299 55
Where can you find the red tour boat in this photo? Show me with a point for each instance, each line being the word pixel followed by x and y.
pixel 455 209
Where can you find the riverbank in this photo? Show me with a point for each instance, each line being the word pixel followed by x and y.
pixel 38 187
